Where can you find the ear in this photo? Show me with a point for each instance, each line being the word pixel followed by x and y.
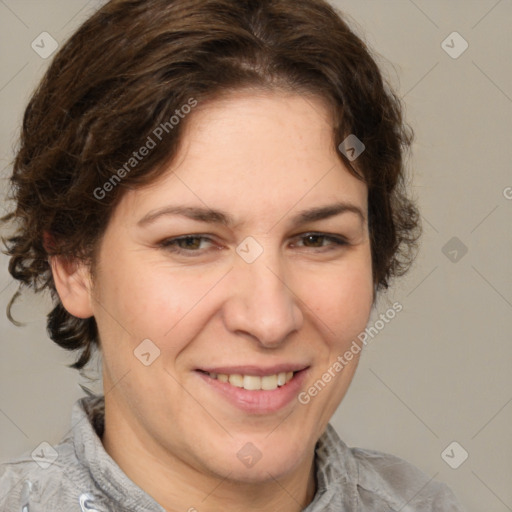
pixel 74 285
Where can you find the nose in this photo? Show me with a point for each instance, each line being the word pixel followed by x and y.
pixel 261 303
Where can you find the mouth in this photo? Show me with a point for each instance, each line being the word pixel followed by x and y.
pixel 253 382
pixel 256 390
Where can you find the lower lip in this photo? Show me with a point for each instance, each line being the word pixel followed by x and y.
pixel 261 401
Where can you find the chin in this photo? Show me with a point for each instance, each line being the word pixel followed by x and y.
pixel 261 472
pixel 258 462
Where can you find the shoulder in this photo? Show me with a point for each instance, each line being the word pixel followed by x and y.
pixel 386 480
pixel 49 475
pixel 366 480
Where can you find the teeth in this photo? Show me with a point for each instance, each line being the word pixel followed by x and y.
pixel 254 383
pixel 269 382
pixel 236 380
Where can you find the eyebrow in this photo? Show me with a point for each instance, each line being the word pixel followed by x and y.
pixel 211 216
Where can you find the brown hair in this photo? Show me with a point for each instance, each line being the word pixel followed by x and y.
pixel 134 65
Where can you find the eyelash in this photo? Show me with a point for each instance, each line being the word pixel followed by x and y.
pixel 171 244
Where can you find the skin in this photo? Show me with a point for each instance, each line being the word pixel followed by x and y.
pixel 261 157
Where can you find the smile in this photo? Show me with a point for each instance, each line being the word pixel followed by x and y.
pixel 256 390
pixel 254 382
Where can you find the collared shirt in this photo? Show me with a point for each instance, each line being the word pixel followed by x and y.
pixel 78 475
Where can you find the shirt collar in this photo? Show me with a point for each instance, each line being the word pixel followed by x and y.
pixel 336 469
pixel 88 421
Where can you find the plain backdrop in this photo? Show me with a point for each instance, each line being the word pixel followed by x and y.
pixel 439 372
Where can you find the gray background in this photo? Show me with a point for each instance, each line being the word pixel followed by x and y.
pixel 437 373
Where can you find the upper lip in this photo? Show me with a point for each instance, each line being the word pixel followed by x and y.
pixel 257 371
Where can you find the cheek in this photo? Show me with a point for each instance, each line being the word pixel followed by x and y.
pixel 343 301
pixel 134 292
pixel 155 301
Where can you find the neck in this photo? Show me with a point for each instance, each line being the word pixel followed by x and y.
pixel 178 486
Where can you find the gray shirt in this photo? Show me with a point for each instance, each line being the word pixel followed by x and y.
pixel 78 475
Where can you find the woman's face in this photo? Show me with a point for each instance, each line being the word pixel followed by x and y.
pixel 248 260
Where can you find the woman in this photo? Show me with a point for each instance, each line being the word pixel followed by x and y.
pixel 213 193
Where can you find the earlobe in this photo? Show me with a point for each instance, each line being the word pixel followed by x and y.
pixel 74 286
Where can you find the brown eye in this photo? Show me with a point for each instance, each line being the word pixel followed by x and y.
pixel 314 240
pixel 320 240
pixel 188 244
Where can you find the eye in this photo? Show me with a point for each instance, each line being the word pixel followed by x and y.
pixel 320 240
pixel 187 244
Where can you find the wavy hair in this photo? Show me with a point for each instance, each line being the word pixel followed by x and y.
pixel 131 66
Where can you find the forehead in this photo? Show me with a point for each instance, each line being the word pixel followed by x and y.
pixel 261 126
pixel 255 153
